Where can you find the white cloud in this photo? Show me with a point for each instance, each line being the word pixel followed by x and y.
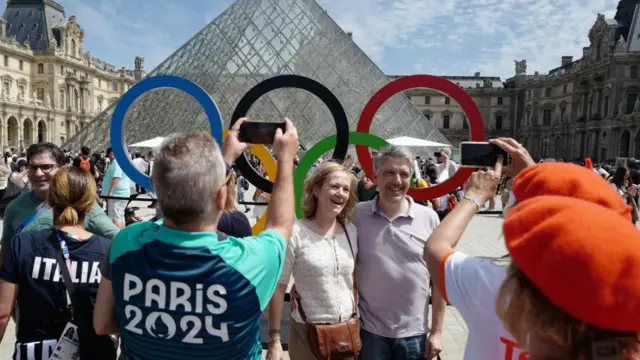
pixel 486 35
pixel 402 36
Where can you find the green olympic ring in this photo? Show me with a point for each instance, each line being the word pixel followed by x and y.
pixel 322 147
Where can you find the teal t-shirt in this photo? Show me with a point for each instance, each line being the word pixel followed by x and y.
pixel 25 205
pixel 187 295
pixel 123 188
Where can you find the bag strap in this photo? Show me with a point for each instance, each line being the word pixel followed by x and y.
pixel 31 218
pixel 355 288
pixel 62 266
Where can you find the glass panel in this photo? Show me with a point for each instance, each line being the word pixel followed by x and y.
pixel 249 42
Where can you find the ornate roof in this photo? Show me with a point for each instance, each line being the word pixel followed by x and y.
pixel 31 22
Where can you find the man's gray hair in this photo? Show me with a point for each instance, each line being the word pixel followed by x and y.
pixel 392 151
pixel 188 170
pixel 446 151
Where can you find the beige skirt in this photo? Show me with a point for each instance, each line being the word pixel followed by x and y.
pixel 299 348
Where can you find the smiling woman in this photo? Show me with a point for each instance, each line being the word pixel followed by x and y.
pixel 321 242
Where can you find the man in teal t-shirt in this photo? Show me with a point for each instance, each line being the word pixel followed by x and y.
pixel 29 212
pixel 117 184
pixel 179 289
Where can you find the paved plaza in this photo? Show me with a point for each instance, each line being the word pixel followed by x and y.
pixel 482 237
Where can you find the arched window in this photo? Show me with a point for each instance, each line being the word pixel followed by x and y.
pixel 62 99
pixel 73 47
pixel 446 119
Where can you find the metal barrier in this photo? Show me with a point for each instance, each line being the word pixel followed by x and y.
pixel 135 198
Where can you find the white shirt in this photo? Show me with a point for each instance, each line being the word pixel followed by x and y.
pixel 444 176
pixel 472 285
pixel 140 164
pixel 323 271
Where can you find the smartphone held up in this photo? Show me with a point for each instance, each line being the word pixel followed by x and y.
pixel 262 133
pixel 481 154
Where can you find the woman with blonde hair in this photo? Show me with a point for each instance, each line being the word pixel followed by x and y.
pixel 321 257
pixel 34 269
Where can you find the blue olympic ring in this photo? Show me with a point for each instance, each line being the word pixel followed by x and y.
pixel 161 81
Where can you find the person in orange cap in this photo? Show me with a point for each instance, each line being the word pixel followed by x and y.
pixel 471 284
pixel 569 293
pixel 588 163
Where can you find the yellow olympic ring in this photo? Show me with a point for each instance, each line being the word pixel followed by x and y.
pixel 269 165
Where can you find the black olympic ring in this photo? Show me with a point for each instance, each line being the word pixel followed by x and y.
pixel 298 82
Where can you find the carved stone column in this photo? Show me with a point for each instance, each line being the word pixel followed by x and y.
pixel 20 140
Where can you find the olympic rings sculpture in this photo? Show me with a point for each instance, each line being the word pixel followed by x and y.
pixel 338 142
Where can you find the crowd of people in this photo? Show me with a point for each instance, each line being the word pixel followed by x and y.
pixel 373 270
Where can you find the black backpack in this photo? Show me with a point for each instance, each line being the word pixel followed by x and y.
pixel 244 183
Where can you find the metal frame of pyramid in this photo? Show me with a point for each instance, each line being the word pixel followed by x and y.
pixel 249 42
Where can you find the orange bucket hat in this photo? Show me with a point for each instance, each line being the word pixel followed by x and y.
pixel 569 180
pixel 583 257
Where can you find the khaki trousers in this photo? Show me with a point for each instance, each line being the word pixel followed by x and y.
pixel 299 348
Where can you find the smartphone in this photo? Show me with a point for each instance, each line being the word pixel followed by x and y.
pixel 260 132
pixel 480 154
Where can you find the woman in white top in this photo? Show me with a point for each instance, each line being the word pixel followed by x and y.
pixel 621 182
pixel 472 284
pixel 321 258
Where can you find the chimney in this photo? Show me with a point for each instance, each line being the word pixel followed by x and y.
pixel 350 34
pixel 477 74
pixel 566 60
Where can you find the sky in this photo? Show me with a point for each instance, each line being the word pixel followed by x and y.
pixel 439 37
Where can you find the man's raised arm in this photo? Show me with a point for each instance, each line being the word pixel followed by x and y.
pixel 281 205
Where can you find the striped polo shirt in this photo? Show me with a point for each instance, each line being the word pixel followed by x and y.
pixel 187 295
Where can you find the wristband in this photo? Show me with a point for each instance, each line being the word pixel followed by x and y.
pixel 466 197
pixel 274 334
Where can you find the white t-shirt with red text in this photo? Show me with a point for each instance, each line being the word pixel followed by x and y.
pixel 472 285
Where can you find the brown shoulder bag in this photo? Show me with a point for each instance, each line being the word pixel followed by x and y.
pixel 340 340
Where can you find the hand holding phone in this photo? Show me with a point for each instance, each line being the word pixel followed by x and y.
pixel 480 154
pixel 260 132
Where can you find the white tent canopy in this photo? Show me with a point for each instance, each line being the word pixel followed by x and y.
pixel 415 142
pixel 151 143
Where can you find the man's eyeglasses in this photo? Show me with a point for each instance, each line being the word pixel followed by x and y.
pixel 46 168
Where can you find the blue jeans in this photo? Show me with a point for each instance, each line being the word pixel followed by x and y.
pixel 375 347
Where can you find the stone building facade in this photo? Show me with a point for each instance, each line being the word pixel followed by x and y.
pixel 588 107
pixel 50 85
pixel 489 94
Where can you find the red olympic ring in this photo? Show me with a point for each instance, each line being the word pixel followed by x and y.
pixel 469 107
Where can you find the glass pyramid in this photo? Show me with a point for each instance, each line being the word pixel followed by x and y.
pixel 249 42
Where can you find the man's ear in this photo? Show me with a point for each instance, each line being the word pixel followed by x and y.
pixel 221 198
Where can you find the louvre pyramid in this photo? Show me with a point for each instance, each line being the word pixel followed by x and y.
pixel 249 42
